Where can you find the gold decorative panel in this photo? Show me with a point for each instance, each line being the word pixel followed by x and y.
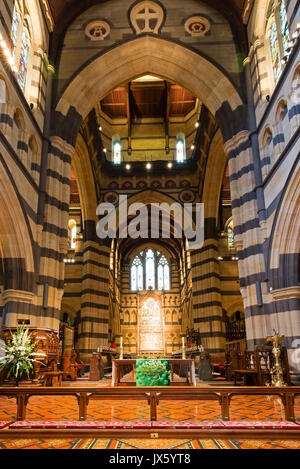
pixel 150 323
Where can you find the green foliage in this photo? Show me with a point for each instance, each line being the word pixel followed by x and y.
pixel 19 354
pixel 152 373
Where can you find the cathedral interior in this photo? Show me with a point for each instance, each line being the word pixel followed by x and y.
pixel 164 104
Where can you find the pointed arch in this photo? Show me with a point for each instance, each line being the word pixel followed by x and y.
pixel 15 234
pixel 154 56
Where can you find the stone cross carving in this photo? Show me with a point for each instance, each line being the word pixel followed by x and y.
pixel 147 17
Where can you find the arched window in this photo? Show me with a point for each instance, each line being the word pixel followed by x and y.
pixel 180 154
pixel 163 274
pixel 266 152
pixel 25 47
pixel 279 36
pixel 284 26
pixel 117 153
pixel 137 275
pixel 116 149
pixel 150 270
pixel 230 233
pixel 275 54
pixel 279 139
pixel 73 233
pixel 295 101
pixel 15 29
pixel 18 128
pixel 32 162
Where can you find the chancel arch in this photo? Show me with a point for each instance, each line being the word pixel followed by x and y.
pixel 155 56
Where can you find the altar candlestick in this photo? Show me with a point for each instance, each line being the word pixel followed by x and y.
pixel 183 349
pixel 121 348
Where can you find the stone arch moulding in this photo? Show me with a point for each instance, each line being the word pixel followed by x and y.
pixel 148 55
pixel 285 235
pixel 15 236
pixel 147 197
pixel 87 193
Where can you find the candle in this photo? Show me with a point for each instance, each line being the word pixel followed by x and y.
pixel 121 343
pixel 182 341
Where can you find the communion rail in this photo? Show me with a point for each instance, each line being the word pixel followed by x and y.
pixel 153 396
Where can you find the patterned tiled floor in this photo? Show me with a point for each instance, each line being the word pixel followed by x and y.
pixel 62 408
pixel 147 444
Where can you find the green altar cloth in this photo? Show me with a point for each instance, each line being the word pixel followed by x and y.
pixel 153 372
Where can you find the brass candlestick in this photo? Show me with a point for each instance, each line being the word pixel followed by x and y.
pixel 276 371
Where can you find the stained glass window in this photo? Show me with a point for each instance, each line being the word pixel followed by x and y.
pixel 133 278
pixel 180 151
pixel 150 270
pixel 230 234
pixel 272 6
pixel 163 273
pixel 117 153
pixel 275 53
pixel 166 277
pixel 24 56
pixel 284 26
pixel 14 30
pixel 140 279
pixel 160 277
pixel 73 237
pixel 137 280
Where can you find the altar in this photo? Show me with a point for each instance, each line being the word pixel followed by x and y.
pixel 153 372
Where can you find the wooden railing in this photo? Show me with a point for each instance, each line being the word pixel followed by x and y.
pixel 153 396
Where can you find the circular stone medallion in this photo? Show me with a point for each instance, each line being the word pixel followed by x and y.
pixel 97 30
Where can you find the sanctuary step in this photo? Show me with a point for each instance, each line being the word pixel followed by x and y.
pixel 160 424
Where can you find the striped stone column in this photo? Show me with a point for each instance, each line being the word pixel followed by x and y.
pixel 55 232
pixel 249 240
pixel 95 293
pixel 207 301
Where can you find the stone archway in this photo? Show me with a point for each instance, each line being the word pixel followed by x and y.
pixel 284 259
pixel 154 56
pixel 17 251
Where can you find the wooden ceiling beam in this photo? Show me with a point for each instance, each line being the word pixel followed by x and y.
pixel 167 114
pixel 129 110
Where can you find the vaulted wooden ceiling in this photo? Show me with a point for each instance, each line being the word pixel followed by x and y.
pixel 74 191
pixel 65 11
pixel 148 99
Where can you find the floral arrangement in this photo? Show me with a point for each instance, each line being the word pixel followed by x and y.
pixel 19 354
